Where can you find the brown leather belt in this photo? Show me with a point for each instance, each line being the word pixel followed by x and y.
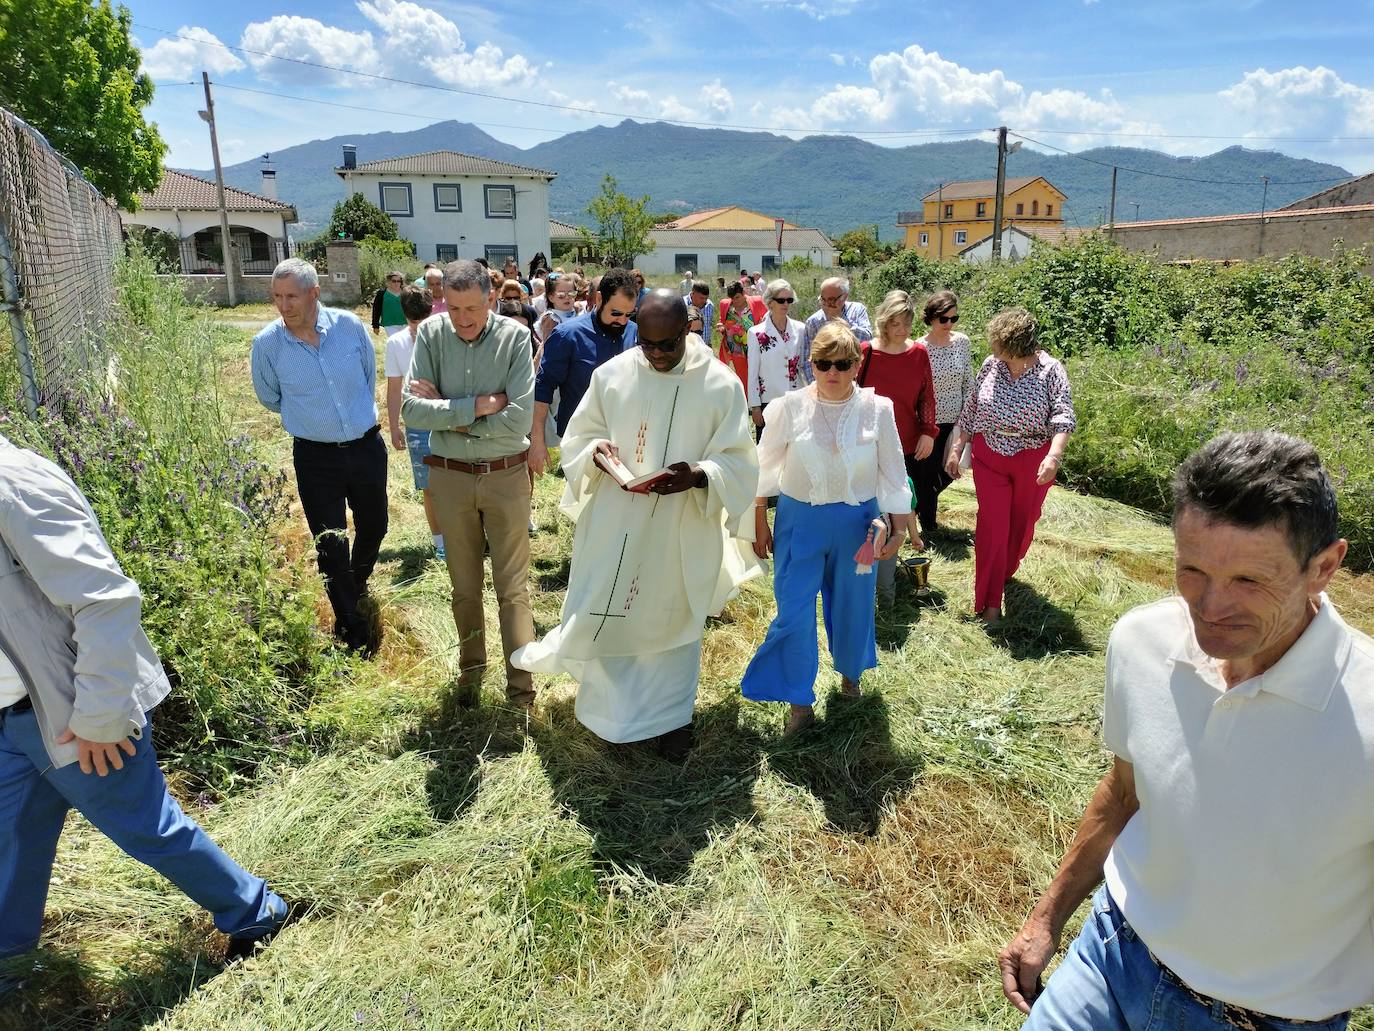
pixel 1237 1016
pixel 476 468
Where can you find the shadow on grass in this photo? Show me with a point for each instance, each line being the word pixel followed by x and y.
pixel 645 814
pixel 950 545
pixel 411 560
pixel 457 736
pixel 1035 626
pixel 550 573
pixel 849 762
pixel 893 625
pixel 60 991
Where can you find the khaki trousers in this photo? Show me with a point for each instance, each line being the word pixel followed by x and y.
pixel 491 509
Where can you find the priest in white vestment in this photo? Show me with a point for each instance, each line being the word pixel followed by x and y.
pixel 647 569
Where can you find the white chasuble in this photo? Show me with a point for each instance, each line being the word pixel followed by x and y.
pixel 648 570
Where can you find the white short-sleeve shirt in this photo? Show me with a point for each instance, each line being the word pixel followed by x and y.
pixel 1249 868
pixel 400 348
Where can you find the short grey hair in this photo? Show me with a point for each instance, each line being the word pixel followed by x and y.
pixel 464 274
pixel 776 287
pixel 298 269
pixel 839 281
pixel 1261 478
pixel 437 272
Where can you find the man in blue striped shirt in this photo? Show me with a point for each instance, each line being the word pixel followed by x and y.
pixel 316 367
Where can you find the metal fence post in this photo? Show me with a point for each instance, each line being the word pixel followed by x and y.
pixel 13 303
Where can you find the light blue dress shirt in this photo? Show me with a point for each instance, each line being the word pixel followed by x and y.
pixel 854 313
pixel 325 393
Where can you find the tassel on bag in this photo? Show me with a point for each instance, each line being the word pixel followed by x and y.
pixel 873 543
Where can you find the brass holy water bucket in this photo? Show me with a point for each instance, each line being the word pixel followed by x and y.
pixel 917 567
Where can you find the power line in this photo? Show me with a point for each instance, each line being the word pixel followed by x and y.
pixel 1181 178
pixel 1204 136
pixel 549 104
pixel 429 117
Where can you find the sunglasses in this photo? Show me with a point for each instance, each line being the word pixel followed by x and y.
pixel 947 318
pixel 565 296
pixel 784 300
pixel 617 314
pixel 662 346
pixel 825 364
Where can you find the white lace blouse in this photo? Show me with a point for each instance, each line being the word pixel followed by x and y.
pixel 824 452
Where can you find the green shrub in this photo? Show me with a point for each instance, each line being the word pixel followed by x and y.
pixel 919 277
pixel 192 514
pixel 378 257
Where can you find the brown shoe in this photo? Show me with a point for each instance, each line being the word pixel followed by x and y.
pixel 850 688
pixel 801 718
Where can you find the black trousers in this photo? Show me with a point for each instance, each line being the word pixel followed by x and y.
pixel 330 477
pixel 929 477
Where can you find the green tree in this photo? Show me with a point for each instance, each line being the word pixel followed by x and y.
pixel 72 72
pixel 622 226
pixel 360 219
pixel 861 246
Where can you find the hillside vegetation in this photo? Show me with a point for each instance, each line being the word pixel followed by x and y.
pixel 472 869
pixel 831 182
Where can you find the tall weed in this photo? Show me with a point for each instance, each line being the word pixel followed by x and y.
pixel 191 513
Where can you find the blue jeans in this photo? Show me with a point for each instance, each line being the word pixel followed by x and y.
pixel 813 552
pixel 133 808
pixel 1109 980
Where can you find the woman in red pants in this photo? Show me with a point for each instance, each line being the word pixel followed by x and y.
pixel 1019 418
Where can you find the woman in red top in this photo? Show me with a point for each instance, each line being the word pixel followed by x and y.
pixel 737 318
pixel 898 368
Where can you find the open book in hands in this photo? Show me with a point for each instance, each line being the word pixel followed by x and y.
pixel 620 472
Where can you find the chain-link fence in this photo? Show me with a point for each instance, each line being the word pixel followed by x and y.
pixel 59 238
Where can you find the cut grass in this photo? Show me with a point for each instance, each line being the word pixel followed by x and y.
pixel 468 874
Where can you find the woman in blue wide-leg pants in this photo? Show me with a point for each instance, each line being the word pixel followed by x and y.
pixel 813 552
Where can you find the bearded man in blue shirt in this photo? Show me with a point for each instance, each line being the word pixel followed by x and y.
pixel 316 367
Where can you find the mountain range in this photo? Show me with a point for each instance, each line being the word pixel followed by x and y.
pixel 833 183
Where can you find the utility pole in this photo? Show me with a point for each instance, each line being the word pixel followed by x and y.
pixel 998 197
pixel 1111 218
pixel 999 202
pixel 226 246
pixel 1264 204
pixel 940 219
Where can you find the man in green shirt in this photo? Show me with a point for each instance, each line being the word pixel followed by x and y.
pixel 471 384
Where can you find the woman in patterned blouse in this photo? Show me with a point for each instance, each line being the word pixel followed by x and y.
pixel 737 318
pixel 774 352
pixel 951 368
pixel 1019 418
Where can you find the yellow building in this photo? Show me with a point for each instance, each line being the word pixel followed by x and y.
pixel 733 217
pixel 959 214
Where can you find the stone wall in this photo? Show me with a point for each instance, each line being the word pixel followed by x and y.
pixel 1241 238
pixel 1356 191
pixel 341 285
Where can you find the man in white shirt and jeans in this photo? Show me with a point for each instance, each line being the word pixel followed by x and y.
pixel 1235 829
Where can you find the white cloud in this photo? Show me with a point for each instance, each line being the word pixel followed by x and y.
pixel 818 9
pixel 197 50
pixel 419 35
pixel 838 60
pixel 411 42
pixel 717 99
pixel 674 110
pixel 583 108
pixel 1299 101
pixel 307 39
pixel 919 88
pixel 637 100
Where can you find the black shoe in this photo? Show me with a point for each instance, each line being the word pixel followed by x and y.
pixel 242 948
pixel 674 745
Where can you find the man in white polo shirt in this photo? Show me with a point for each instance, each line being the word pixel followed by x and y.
pixel 1235 829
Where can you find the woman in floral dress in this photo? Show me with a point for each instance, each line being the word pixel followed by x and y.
pixel 774 352
pixel 737 318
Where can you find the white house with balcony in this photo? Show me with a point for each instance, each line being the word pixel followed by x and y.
pixel 452 205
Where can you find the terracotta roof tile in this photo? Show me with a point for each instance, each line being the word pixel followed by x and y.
pixel 1330 212
pixel 179 191
pixel 447 162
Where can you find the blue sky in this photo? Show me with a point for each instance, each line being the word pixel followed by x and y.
pixel 1185 77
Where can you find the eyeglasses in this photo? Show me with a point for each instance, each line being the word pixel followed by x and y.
pixel 947 318
pixel 396 280
pixel 825 364
pixel 662 346
pixel 615 314
pixel 784 300
pixel 564 296
pixel 832 300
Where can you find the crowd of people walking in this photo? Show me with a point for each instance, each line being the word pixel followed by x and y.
pixel 680 428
